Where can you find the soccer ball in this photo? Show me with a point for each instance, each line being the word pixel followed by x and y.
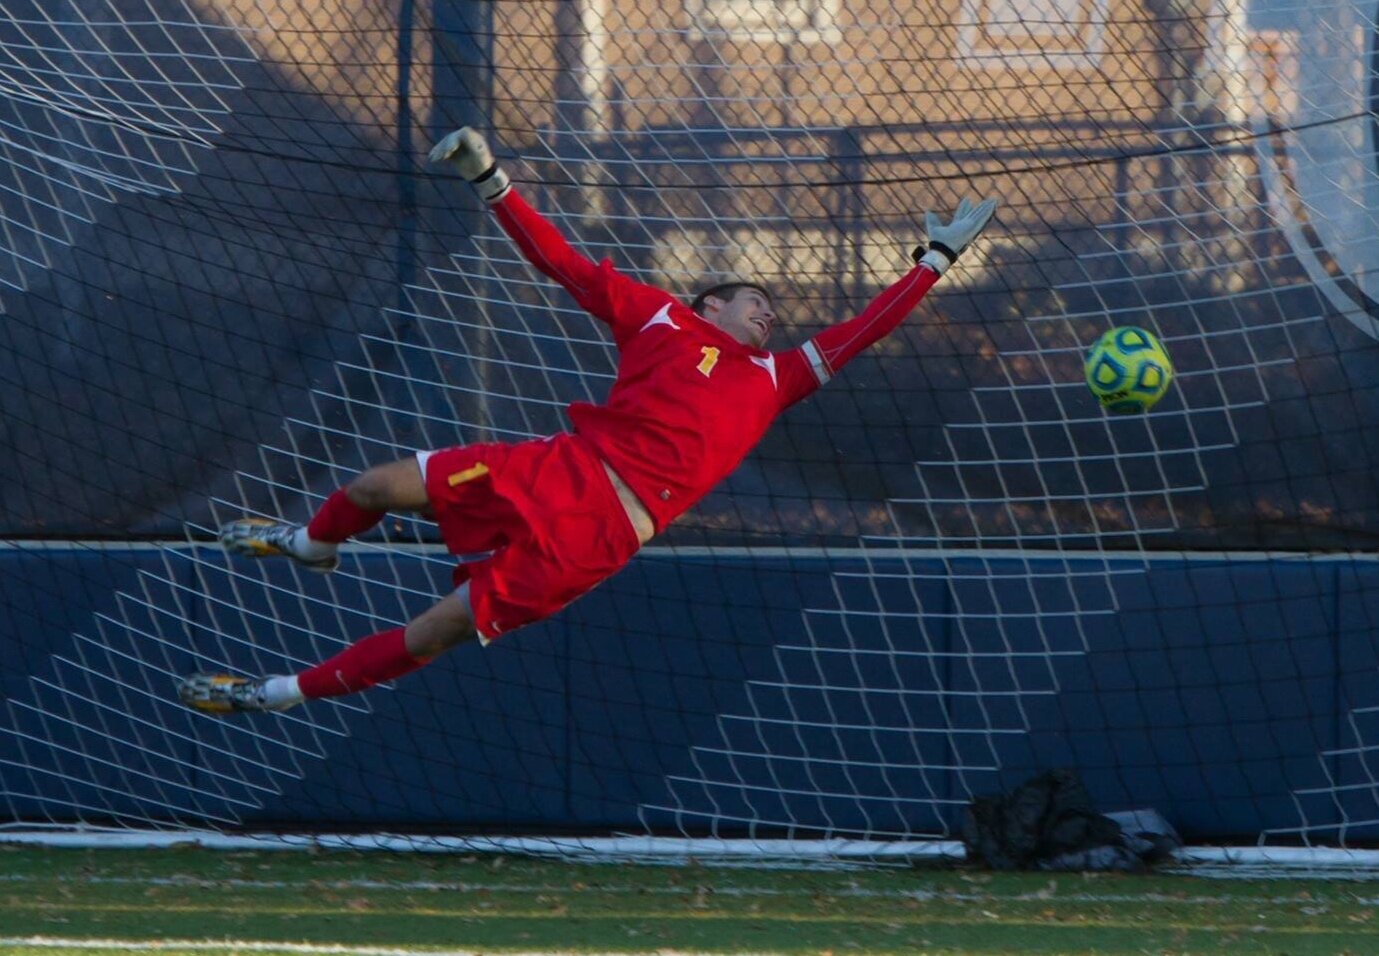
pixel 1128 370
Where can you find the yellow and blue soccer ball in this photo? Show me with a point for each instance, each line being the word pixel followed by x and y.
pixel 1128 370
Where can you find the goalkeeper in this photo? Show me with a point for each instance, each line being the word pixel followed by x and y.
pixel 695 391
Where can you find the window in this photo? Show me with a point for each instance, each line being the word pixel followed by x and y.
pixel 779 21
pixel 1033 34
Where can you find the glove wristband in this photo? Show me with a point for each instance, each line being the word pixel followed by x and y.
pixel 944 248
pixel 492 184
pixel 937 258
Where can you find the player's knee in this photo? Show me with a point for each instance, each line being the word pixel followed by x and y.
pixel 391 487
pixel 444 626
pixel 368 491
pixel 432 637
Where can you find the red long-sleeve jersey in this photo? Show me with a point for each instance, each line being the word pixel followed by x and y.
pixel 689 401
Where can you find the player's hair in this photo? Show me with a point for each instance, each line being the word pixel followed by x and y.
pixel 725 291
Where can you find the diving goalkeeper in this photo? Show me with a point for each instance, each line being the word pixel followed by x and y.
pixel 696 389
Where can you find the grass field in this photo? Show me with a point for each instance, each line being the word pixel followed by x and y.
pixel 208 902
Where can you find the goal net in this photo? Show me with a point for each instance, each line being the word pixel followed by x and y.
pixel 229 283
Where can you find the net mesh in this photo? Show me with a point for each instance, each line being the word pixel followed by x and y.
pixel 230 284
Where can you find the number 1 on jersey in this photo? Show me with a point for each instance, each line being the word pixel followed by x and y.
pixel 709 361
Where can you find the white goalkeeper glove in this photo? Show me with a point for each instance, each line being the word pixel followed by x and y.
pixel 468 153
pixel 948 240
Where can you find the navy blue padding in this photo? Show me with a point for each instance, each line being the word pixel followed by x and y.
pixel 1234 696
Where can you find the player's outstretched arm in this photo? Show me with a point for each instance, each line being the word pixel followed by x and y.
pixel 599 288
pixel 835 346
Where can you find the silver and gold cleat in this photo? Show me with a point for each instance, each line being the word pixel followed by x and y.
pixel 224 694
pixel 262 538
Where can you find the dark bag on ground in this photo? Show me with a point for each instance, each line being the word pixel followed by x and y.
pixel 1049 823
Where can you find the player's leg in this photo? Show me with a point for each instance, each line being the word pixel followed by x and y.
pixel 351 510
pixel 379 657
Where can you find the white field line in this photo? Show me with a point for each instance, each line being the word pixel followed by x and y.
pixel 1049 894
pixel 257 946
pixel 1251 862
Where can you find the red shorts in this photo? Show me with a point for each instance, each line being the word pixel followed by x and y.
pixel 547 511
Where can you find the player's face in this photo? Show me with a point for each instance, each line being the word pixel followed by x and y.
pixel 747 316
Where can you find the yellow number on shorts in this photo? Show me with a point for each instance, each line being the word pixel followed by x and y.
pixel 469 474
pixel 709 361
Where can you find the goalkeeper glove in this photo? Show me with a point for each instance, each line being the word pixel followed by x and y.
pixel 470 156
pixel 948 240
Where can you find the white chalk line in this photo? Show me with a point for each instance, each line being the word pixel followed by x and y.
pixel 263 946
pixel 1046 894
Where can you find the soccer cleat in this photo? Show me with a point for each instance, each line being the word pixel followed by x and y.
pixel 224 694
pixel 261 538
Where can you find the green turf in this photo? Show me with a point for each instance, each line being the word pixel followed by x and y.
pixel 497 904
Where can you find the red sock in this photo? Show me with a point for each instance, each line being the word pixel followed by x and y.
pixel 340 518
pixel 376 658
